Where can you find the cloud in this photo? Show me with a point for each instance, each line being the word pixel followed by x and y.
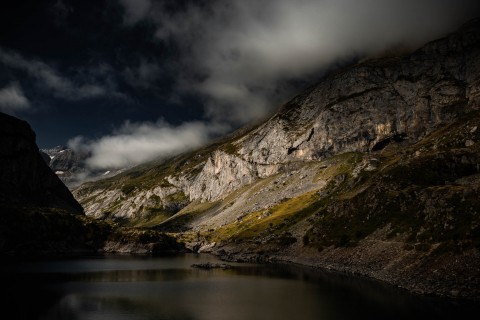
pixel 143 74
pixel 243 55
pixel 135 10
pixel 93 83
pixel 12 99
pixel 135 143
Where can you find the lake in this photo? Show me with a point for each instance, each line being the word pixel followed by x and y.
pixel 129 287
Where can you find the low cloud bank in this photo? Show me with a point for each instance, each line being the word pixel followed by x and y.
pixel 244 55
pixel 136 143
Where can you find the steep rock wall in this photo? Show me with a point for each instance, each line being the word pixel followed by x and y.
pixel 367 104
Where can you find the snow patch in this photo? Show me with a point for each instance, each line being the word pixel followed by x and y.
pixel 59 172
pixel 107 172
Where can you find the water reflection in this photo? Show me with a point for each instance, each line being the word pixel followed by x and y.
pixel 167 288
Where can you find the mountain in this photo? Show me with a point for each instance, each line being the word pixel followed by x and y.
pixel 39 215
pixel 373 171
pixel 64 161
pixel 71 167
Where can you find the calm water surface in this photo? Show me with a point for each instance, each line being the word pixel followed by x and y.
pixel 153 288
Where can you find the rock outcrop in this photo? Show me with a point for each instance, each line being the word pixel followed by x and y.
pixel 221 174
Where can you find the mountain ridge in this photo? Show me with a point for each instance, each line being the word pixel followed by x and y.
pixel 373 170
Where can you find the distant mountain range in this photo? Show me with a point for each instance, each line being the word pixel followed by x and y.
pixel 71 167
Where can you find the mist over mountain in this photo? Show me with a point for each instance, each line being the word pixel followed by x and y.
pixel 71 166
pixel 164 77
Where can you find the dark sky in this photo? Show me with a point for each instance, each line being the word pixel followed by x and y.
pixel 131 80
pixel 107 72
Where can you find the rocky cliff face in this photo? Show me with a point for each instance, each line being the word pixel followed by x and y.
pixel 63 160
pixel 25 179
pixel 363 107
pixel 374 170
pixel 221 174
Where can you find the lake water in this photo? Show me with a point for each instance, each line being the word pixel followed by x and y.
pixel 126 287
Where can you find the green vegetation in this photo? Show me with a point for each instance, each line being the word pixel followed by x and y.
pixel 413 195
pixel 178 197
pixel 154 217
pixel 275 221
pixel 182 219
pixel 337 165
pixel 230 148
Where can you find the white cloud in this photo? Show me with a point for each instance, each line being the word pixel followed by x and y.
pixel 135 143
pixel 143 74
pixel 12 99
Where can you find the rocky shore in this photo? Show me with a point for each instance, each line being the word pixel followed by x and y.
pixel 452 275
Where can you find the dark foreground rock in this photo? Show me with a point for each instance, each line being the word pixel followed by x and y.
pixel 40 231
pixel 25 178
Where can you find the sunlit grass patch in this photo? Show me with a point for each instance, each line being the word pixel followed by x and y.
pixel 275 219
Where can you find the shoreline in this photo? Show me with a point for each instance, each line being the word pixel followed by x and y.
pixel 416 272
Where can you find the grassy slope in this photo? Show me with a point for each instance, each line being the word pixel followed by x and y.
pixel 153 174
pixel 413 192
